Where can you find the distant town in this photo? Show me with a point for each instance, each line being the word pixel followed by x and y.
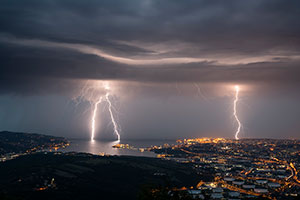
pixel 246 168
pixel 13 144
pixel 199 168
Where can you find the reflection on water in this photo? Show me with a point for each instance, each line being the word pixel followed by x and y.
pixel 100 147
pixel 96 147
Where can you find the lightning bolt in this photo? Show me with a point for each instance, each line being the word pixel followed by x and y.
pixel 116 128
pixel 103 97
pixel 94 118
pixel 237 89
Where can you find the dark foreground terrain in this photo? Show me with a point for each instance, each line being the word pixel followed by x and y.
pixel 86 176
pixel 31 168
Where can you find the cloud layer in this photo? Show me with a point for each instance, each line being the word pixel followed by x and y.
pixel 153 41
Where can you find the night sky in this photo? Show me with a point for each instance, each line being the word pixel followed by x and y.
pixel 171 65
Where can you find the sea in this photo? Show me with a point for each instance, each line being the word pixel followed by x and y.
pixel 100 147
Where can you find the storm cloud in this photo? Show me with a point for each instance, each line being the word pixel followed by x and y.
pixel 153 47
pixel 155 41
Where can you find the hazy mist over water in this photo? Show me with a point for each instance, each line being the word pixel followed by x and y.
pixel 100 146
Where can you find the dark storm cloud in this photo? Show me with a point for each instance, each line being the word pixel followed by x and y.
pixel 204 41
